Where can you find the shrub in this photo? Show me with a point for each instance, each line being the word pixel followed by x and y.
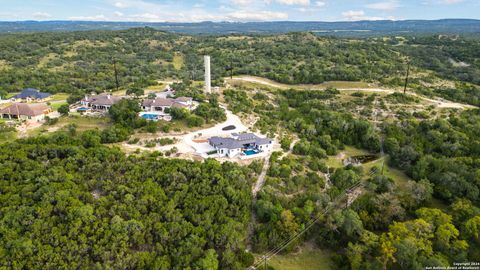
pixel 195 121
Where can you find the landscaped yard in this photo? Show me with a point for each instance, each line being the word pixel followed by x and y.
pixel 59 97
pixel 309 258
pixel 155 88
pixel 82 123
pixel 57 105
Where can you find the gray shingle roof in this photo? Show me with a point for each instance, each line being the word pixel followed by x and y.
pixel 184 99
pixel 103 100
pixel 31 93
pixel 157 102
pixel 228 143
pixel 239 141
pixel 167 102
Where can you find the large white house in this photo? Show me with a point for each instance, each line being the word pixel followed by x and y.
pixel 102 102
pixel 159 108
pixel 241 144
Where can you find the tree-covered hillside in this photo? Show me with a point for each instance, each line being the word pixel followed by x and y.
pixel 79 62
pixel 428 217
pixel 66 203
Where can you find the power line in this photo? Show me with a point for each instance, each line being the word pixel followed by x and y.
pixel 310 224
pixel 406 78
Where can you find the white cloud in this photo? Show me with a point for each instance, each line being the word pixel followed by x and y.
pixel 256 16
pixel 268 2
pixel 121 5
pixel 242 2
pixel 118 14
pixel 359 15
pixel 352 14
pixel 320 3
pixel 450 2
pixel 100 17
pixel 385 6
pixel 41 15
pixel 294 2
pixel 136 4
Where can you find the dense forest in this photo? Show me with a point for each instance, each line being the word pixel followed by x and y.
pixel 69 203
pixel 79 62
pixel 390 225
pixel 72 199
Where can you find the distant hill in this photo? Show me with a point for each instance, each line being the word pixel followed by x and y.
pixel 360 28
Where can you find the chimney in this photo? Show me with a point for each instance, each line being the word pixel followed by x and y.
pixel 108 96
pixel 86 97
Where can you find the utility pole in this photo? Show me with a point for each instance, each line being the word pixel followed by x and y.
pixel 265 260
pixel 116 73
pixel 406 78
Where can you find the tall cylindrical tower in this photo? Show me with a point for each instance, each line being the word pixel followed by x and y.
pixel 208 80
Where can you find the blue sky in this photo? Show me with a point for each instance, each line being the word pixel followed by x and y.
pixel 236 10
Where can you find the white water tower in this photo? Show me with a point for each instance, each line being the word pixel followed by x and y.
pixel 208 79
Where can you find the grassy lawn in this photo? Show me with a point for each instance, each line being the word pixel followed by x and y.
pixel 334 162
pixel 10 95
pixel 83 123
pixel 59 97
pixel 178 61
pixel 353 151
pixel 398 176
pixel 57 105
pixel 46 59
pixel 309 258
pixel 349 151
pixel 155 88
pixel 119 93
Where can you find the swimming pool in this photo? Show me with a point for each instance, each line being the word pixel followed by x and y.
pixel 150 116
pixel 250 152
pixel 82 109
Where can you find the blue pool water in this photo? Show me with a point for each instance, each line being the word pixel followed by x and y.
pixel 150 116
pixel 250 152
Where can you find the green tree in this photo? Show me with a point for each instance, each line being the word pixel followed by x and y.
pixel 64 109
pixel 125 113
pixel 210 260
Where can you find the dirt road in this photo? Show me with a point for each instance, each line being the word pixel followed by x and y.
pixel 441 103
